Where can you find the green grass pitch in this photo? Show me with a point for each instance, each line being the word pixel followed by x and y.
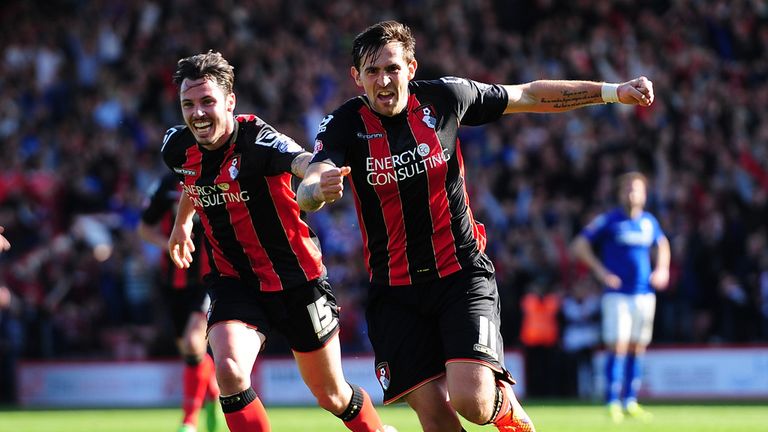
pixel 548 417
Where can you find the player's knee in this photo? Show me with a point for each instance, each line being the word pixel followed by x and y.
pixel 330 399
pixel 230 376
pixel 475 410
pixel 191 346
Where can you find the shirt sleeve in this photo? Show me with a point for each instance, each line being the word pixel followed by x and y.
pixel 157 203
pixel 477 103
pixel 170 150
pixel 595 228
pixel 280 150
pixel 331 142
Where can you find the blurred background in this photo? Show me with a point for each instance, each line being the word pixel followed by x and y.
pixel 86 95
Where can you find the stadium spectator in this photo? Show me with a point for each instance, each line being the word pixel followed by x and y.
pixel 185 296
pixel 617 247
pixel 432 285
pixel 266 269
pixel 581 335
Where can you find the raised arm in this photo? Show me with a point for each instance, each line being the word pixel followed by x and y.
pixel 323 183
pixel 550 96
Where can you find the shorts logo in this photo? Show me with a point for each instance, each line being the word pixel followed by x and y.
pixel 382 374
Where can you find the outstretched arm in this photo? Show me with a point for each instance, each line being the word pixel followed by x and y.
pixel 550 96
pixel 323 183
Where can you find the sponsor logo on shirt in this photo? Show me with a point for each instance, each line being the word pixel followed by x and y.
pixel 214 195
pixel 405 165
pixel 366 136
pixel 184 171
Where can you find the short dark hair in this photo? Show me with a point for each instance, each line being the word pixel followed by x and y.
pixel 211 65
pixel 370 42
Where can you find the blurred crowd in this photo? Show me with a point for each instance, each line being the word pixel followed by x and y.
pixel 86 95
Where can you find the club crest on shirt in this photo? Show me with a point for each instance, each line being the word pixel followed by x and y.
pixel 382 373
pixel 234 167
pixel 428 119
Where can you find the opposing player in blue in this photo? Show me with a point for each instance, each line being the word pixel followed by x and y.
pixel 625 238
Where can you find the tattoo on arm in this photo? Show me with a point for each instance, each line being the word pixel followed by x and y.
pixel 574 99
pixel 300 163
pixel 305 196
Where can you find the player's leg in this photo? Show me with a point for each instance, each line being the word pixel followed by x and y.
pixel 435 412
pixel 313 336
pixel 479 394
pixel 235 346
pixel 643 311
pixel 322 372
pixel 237 329
pixel 410 363
pixel 616 334
pixel 198 369
pixel 479 387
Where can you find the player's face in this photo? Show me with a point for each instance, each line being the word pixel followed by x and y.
pixel 633 194
pixel 207 111
pixel 385 79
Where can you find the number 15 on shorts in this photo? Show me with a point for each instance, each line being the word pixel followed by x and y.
pixel 322 317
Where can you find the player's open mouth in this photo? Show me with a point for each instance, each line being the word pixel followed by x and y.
pixel 202 127
pixel 385 96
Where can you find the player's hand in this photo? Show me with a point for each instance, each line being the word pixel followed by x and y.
pixel 659 278
pixel 180 245
pixel 638 91
pixel 610 280
pixel 332 183
pixel 4 243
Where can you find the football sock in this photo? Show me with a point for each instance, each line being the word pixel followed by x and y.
pixel 501 404
pixel 360 415
pixel 614 376
pixel 632 377
pixel 196 376
pixel 244 412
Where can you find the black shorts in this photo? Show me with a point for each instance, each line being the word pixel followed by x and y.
pixel 416 329
pixel 307 316
pixel 182 303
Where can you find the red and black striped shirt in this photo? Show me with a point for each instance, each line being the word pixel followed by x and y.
pixel 408 177
pixel 243 195
pixel 160 210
